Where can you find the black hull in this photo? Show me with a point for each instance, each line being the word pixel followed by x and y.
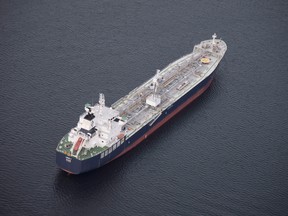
pixel 75 166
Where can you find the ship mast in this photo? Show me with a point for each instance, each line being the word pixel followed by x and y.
pixel 155 83
pixel 101 102
pixel 214 37
pixel 154 99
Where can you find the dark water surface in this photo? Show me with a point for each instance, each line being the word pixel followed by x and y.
pixel 225 154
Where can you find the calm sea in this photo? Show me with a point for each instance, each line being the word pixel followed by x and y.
pixel 225 154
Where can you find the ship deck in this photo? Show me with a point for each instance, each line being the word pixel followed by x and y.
pixel 65 147
pixel 175 80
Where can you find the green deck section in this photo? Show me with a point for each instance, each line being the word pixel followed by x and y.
pixel 86 154
pixel 65 146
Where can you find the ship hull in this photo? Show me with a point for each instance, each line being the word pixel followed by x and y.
pixel 75 166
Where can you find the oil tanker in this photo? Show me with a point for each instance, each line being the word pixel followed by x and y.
pixel 105 133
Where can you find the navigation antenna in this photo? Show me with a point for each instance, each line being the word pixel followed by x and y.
pixel 101 102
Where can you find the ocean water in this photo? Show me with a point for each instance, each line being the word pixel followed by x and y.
pixel 225 154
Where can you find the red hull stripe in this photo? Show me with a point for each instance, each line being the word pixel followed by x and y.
pixel 68 171
pixel 178 109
